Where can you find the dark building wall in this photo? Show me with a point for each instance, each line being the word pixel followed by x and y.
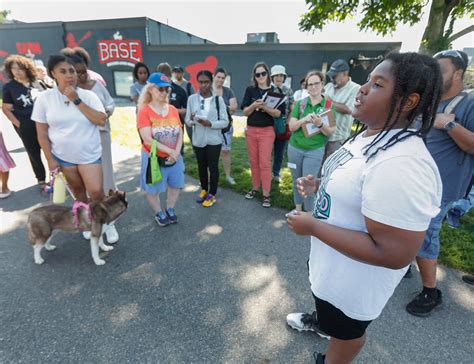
pixel 239 60
pixel 128 40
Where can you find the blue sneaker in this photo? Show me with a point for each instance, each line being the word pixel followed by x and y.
pixel 453 218
pixel 171 215
pixel 161 219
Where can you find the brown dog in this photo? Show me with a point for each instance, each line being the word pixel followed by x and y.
pixel 43 220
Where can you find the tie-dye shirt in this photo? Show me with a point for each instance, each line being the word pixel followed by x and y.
pixel 165 129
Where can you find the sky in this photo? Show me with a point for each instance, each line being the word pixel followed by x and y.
pixel 221 21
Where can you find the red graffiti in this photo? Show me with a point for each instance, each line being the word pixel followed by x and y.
pixel 28 48
pixel 71 40
pixel 209 64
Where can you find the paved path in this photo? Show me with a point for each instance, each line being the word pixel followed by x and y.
pixel 214 288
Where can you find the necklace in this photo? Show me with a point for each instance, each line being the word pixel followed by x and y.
pixel 160 110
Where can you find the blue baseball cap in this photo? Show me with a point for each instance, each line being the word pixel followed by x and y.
pixel 159 79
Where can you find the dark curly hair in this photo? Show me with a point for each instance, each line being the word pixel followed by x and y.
pixel 413 73
pixel 24 63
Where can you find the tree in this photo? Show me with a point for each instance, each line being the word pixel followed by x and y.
pixel 383 17
pixel 3 15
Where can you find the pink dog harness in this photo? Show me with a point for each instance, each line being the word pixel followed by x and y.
pixel 75 211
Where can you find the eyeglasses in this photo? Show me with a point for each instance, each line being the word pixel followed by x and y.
pixel 314 84
pixel 450 53
pixel 261 74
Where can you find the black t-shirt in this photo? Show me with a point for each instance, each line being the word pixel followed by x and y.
pixel 22 98
pixel 258 119
pixel 178 98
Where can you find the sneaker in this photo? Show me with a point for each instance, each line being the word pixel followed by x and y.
pixel 408 273
pixel 251 194
pixel 111 234
pixel 209 200
pixel 86 235
pixel 202 196
pixel 305 322
pixel 161 219
pixel 5 194
pixel 469 279
pixel 230 180
pixel 171 215
pixel 266 202
pixel 453 218
pixel 423 304
pixel 319 358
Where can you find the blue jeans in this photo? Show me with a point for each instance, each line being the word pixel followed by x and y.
pixel 279 147
pixel 460 208
pixel 430 247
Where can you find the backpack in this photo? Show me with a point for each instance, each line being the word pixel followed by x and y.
pixel 188 88
pixel 229 116
pixel 454 102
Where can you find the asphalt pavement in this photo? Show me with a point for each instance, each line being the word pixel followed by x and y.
pixel 214 288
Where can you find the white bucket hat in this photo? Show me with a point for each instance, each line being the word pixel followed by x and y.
pixel 278 70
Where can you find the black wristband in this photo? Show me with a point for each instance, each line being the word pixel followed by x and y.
pixel 77 101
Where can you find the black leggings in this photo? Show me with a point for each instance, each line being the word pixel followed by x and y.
pixel 30 141
pixel 208 158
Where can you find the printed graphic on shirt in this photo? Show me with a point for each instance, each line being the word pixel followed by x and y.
pixel 26 100
pixel 166 130
pixel 322 205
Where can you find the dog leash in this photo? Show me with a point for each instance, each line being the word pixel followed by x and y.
pixel 76 204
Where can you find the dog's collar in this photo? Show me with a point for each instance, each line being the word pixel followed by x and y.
pixel 75 210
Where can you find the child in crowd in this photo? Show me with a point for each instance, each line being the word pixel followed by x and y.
pixel 374 202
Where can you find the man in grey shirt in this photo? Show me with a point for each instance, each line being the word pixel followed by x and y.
pixel 451 144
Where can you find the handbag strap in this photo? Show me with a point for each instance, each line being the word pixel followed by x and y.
pixel 153 148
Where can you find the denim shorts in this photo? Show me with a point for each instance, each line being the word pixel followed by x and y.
pixel 227 140
pixel 172 176
pixel 63 163
pixel 430 247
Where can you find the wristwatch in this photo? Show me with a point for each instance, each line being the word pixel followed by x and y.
pixel 449 125
pixel 77 101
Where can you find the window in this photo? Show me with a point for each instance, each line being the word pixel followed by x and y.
pixel 122 82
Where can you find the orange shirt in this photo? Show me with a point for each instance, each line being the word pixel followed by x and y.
pixel 165 129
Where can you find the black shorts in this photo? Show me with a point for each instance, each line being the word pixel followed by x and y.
pixel 336 324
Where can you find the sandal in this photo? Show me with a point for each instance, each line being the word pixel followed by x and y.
pixel 266 202
pixel 251 194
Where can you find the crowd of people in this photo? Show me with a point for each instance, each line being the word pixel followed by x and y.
pixel 371 201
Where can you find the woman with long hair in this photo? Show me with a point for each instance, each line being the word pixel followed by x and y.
pixel 159 121
pixel 260 132
pixel 19 96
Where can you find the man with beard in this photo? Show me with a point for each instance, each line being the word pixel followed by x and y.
pixel 451 144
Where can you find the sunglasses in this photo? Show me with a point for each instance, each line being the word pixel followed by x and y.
pixel 450 53
pixel 261 74
pixel 163 89
pixel 202 104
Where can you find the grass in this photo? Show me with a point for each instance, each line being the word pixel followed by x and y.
pixel 457 247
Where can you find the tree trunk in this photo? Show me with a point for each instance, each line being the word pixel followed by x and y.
pixel 434 31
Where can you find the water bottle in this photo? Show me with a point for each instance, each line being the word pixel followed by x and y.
pixel 59 189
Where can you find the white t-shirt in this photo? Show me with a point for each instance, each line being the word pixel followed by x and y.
pixel 73 137
pixel 400 187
